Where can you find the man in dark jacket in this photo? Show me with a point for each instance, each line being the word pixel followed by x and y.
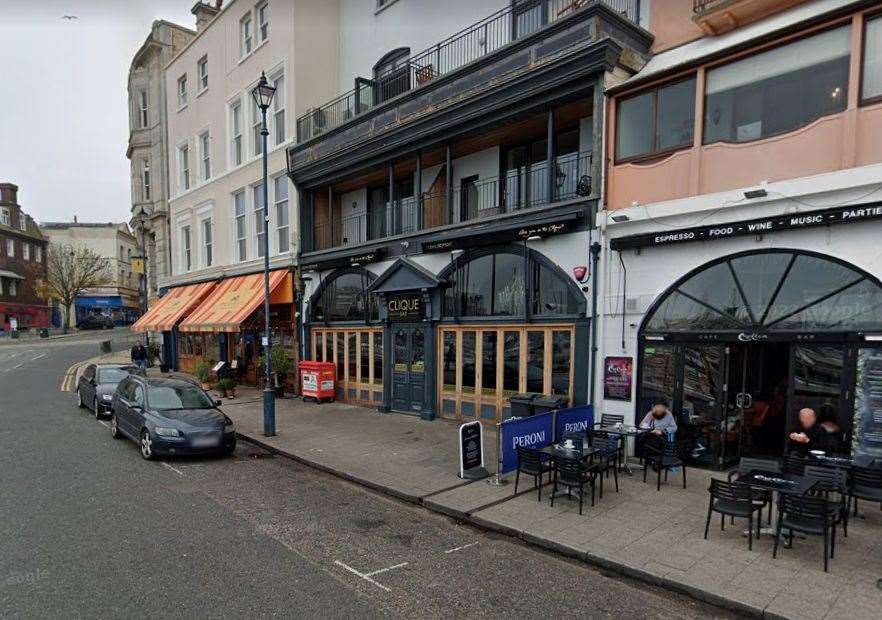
pixel 139 356
pixel 811 435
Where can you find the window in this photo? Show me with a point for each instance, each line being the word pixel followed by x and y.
pixel 236 122
pixel 22 221
pixel 202 70
pixel 12 288
pixel 279 109
pixel 358 355
pixel 246 42
pixel 256 130
pixel 241 225
pixel 145 179
pixel 263 22
pixel 259 212
pixel 142 109
pixel 186 249
pixel 182 91
pixel 207 242
pixel 205 152
pixel 184 163
pixel 10 248
pixel 26 250
pixel 280 192
pixel 38 254
pixel 779 90
pixel 4 217
pixel 657 121
pixel 871 86
pixel 343 299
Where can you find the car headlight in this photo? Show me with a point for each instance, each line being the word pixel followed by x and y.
pixel 167 432
pixel 106 397
pixel 229 428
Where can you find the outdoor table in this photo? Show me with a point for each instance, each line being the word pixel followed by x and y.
pixel 558 451
pixel 845 462
pixel 777 482
pixel 624 431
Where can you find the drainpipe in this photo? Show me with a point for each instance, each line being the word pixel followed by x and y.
pixel 595 259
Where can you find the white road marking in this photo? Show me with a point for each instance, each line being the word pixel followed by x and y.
pixel 455 549
pixel 367 576
pixel 174 469
pixel 38 357
pixel 18 366
pixel 104 423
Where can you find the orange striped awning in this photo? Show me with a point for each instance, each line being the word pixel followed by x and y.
pixel 231 302
pixel 172 307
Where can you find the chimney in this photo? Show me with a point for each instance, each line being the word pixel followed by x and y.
pixel 9 193
pixel 205 12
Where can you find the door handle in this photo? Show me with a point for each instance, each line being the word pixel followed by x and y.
pixel 749 398
pixel 739 400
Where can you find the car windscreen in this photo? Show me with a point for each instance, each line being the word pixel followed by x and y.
pixel 111 375
pixel 165 398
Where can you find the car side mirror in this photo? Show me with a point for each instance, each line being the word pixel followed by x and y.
pixel 218 403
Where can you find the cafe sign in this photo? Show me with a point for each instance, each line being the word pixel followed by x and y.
pixel 405 307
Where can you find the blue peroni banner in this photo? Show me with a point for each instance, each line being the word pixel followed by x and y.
pixel 574 420
pixel 533 432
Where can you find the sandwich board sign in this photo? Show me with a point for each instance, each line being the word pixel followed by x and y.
pixel 471 451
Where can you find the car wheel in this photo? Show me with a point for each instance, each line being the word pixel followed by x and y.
pixel 228 452
pixel 146 445
pixel 114 429
pixel 80 402
pixel 96 409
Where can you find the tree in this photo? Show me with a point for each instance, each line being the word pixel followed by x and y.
pixel 71 270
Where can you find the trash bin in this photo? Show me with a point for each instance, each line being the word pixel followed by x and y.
pixel 317 380
pixel 544 403
pixel 522 404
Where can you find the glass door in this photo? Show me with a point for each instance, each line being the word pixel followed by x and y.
pixel 701 412
pixel 408 368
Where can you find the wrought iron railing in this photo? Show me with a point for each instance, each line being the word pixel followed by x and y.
pixel 514 190
pixel 700 6
pixel 505 26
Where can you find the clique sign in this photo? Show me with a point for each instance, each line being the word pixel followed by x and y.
pixel 405 308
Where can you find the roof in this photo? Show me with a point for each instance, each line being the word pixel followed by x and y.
pixel 709 47
pixel 10 274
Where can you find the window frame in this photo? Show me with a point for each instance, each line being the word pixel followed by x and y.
pixel 656 154
pixel 22 222
pixel 866 101
pixel 184 181
pixel 10 247
pixel 145 179
pixel 237 150
pixel 38 253
pixel 143 107
pixel 182 92
pixel 202 74
pixel 207 234
pixel 25 251
pixel 5 216
pixel 256 130
pixel 246 35
pixel 186 233
pixel 276 205
pixel 205 154
pixel 240 242
pixel 262 31
pixel 277 110
pixel 258 222
pixel 12 288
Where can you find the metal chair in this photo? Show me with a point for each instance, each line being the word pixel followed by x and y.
pixel 611 419
pixel 533 463
pixel 663 454
pixel 793 464
pixel 607 459
pixel 866 483
pixel 574 474
pixel 735 500
pixel 808 515
pixel 830 481
pixel 749 464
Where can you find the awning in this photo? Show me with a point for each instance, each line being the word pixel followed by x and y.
pixel 10 274
pixel 172 307
pixel 234 299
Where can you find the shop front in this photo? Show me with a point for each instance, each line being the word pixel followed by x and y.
pixel 15 316
pixel 739 345
pixel 122 309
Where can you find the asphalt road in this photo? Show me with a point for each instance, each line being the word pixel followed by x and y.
pixel 87 528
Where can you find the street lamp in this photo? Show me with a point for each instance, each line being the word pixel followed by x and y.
pixel 263 97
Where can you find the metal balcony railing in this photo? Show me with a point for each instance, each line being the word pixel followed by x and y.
pixel 514 22
pixel 514 190
pixel 700 6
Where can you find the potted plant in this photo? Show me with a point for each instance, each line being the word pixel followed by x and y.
pixel 203 374
pixel 153 354
pixel 229 384
pixel 282 363
pixel 221 388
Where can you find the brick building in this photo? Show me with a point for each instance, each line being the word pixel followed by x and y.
pixel 22 263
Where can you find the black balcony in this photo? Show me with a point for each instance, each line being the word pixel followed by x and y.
pixel 515 190
pixel 521 20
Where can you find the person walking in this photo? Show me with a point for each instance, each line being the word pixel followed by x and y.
pixel 139 356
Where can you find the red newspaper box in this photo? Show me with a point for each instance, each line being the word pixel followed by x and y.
pixel 317 380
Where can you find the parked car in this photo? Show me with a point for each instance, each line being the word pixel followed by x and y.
pixel 96 321
pixel 98 382
pixel 170 417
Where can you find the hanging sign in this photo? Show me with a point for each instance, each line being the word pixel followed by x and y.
pixel 471 451
pixel 617 375
pixel 405 307
pixel 793 221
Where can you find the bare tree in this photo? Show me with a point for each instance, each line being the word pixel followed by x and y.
pixel 70 270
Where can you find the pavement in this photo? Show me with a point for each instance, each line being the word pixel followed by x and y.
pixel 656 537
pixel 88 528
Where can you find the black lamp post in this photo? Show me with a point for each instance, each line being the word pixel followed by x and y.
pixel 263 97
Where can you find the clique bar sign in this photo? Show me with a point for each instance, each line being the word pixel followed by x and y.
pixel 405 307
pixel 808 219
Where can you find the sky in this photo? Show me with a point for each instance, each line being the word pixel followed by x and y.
pixel 64 121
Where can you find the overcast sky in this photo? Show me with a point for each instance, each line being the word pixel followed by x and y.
pixel 63 101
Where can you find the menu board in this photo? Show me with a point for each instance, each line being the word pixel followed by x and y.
pixel 867 428
pixel 617 376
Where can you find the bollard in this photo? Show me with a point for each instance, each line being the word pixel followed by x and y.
pixel 105 346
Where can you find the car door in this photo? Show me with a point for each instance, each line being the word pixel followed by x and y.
pixel 125 394
pixel 87 384
pixel 137 409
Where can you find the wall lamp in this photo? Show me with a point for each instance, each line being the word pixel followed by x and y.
pixel 620 217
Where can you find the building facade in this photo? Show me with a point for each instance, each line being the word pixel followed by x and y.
pixel 148 151
pixel 120 298
pixel 217 203
pixel 447 200
pixel 22 266
pixel 741 268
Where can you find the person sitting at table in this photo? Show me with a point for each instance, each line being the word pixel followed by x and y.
pixel 811 436
pixel 659 421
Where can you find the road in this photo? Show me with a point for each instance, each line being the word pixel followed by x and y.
pixel 88 528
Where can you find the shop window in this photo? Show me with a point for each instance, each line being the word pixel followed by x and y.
pixel 511 361
pixel 488 362
pixel 343 298
pixel 535 361
pixel 448 367
pixel 779 90
pixel 468 362
pixel 871 87
pixel 378 357
pixel 551 295
pixel 358 356
pixel 319 347
pixel 657 121
pixel 352 356
pixel 340 355
pixel 561 357
pixel 867 425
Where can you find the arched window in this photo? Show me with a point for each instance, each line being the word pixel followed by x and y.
pixel 342 297
pixel 776 290
pixel 392 74
pixel 495 283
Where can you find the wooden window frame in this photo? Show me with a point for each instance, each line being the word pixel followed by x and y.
pixel 330 354
pixel 868 101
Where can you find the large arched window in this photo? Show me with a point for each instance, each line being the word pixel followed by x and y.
pixel 500 282
pixel 775 290
pixel 342 297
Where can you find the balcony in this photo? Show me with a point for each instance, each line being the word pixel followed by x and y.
pixel 515 190
pixel 715 17
pixel 530 54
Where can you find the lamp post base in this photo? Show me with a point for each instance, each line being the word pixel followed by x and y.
pixel 269 412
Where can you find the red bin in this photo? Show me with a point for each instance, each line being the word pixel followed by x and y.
pixel 317 380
